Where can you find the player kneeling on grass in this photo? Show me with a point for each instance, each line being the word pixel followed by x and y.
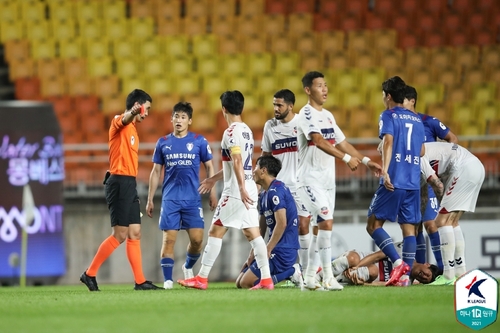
pixel 278 212
pixel 358 268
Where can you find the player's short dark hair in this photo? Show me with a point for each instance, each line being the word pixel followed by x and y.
pixel 184 107
pixel 395 86
pixel 233 101
pixel 436 271
pixel 308 79
pixel 411 93
pixel 287 95
pixel 271 163
pixel 139 96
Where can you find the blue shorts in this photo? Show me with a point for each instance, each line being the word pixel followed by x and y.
pixel 432 207
pixel 281 260
pixel 402 206
pixel 181 215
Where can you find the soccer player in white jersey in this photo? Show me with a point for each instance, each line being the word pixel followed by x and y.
pixel 463 176
pixel 320 140
pixel 280 140
pixel 237 207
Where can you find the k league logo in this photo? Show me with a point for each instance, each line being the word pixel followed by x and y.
pixel 476 299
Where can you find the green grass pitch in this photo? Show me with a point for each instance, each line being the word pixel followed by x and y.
pixel 222 308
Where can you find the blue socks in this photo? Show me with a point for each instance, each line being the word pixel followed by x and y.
pixel 409 248
pixel 283 275
pixel 436 248
pixel 167 266
pixel 385 243
pixel 191 259
pixel 421 248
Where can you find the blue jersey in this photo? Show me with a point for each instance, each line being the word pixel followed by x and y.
pixel 276 197
pixel 181 158
pixel 409 135
pixel 434 128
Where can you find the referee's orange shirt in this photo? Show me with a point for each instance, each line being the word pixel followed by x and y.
pixel 123 148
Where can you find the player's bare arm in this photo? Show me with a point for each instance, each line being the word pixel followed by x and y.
pixel 209 168
pixel 154 179
pixel 328 148
pixel 387 144
pixel 370 259
pixel 451 137
pixel 279 229
pixel 207 184
pixel 348 148
pixel 240 178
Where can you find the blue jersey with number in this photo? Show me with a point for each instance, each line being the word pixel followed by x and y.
pixel 181 158
pixel 277 197
pixel 434 128
pixel 408 132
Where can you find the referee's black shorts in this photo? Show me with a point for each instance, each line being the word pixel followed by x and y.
pixel 123 201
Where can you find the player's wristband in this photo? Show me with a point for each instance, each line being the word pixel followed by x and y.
pixel 365 160
pixel 346 158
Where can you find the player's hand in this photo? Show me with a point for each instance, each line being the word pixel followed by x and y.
pixel 149 208
pixel 353 163
pixel 387 182
pixel 136 109
pixel 352 275
pixel 247 201
pixel 212 201
pixel 375 168
pixel 206 185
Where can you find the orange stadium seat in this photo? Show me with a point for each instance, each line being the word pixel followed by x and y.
pixel 16 49
pixel 299 23
pixel 21 68
pixel 466 56
pixel 80 86
pixel 417 57
pixel 48 68
pixel 332 41
pixel 275 24
pixel 312 61
pixel 106 86
pixel 280 43
pixel 441 111
pixel 248 25
pixel 164 103
pixel 363 59
pixel 255 43
pixel 197 25
pixel 433 38
pixel 322 23
pixel 74 67
pixel 62 105
pixel 360 40
pixel 457 93
pixel 447 75
pixel 141 8
pixel 86 105
pixel 113 105
pixel 196 8
pixel 301 6
pixel 474 75
pixel 170 26
pixel 256 7
pixel 441 56
pixel 54 86
pixel 305 42
pixel 490 55
pixel 231 45
pixel 407 39
pixel 338 60
pixel 223 25
pixel 390 58
pixel 223 8
pixel 167 9
pixel 375 21
pixel 27 88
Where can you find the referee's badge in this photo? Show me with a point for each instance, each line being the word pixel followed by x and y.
pixel 189 146
pixel 132 140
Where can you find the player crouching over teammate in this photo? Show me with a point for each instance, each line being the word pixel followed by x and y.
pixel 278 212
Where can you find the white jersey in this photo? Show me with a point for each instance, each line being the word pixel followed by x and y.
pixel 316 168
pixel 238 139
pixel 280 139
pixel 446 157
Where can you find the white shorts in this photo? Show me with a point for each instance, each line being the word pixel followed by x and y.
pixel 301 209
pixel 462 188
pixel 319 202
pixel 232 213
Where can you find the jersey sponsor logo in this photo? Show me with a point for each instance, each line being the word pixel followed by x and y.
pixel 189 146
pixel 328 134
pixel 284 146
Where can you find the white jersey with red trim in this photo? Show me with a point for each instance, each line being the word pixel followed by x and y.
pixel 280 139
pixel 446 156
pixel 316 168
pixel 238 139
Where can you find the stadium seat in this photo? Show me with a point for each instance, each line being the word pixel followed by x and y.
pixel 375 22
pixel 350 22
pixel 300 23
pixel 21 68
pixel 360 40
pixel 90 29
pixel 196 8
pixel 12 30
pixel 189 84
pixel 97 48
pixel 389 59
pixel 441 56
pixel 466 56
pixel 363 59
pixel 407 39
pixel 254 44
pixel 305 42
pixel 266 83
pixel 385 39
pixel 474 75
pixel 88 104
pixel 208 65
pixel 71 48
pixel 54 86
pixel 488 111
pixel 242 82
pixel 128 67
pixel 223 8
pixel 433 38
pixel 490 55
pixel 177 45
pixel 447 75
pixel 88 10
pixel 431 93
pixel 323 23
pixel 222 26
pixel 106 86
pixel 63 30
pixel 80 86
pixel 170 26
pixel 11 12
pixel 331 41
pixel 113 105
pixel 27 88
pixel 483 92
pixel 141 9
pixel 181 65
pixel 204 45
pixel 161 85
pixel 114 10
pixel 74 67
pixel 457 93
pixel 234 64
pixel 260 63
pixel 117 29
pixel 38 30
pixel 280 43
pixel 16 49
pixel 372 78
pixel 198 101
pixel 274 24
pixel 312 61
pixel 167 9
pixel 61 10
pixel 100 66
pixel 248 25
pixel 197 25
pixel 152 48
pixel 464 112
pixel 285 62
pixel 131 83
pixel 457 38
pixel 441 111
pixel 203 122
pixel 346 78
pixel 43 49
pixel 48 68
pixel 417 57
pixel 164 103
pixel 62 105
pixel 338 60
pixel 254 8
pixel 353 98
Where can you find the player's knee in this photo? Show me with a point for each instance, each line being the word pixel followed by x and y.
pixel 352 258
pixel 196 244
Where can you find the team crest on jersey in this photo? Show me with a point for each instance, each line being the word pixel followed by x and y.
pixel 330 121
pixel 295 130
pixel 395 116
pixel 132 140
pixel 324 210
pixel 189 146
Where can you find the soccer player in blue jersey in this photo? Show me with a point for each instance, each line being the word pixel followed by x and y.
pixel 434 129
pixel 398 196
pixel 180 154
pixel 278 211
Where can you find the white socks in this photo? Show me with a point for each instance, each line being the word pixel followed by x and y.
pixel 447 236
pixel 460 268
pixel 210 254
pixel 260 252
pixel 325 252
pixel 304 241
pixel 339 265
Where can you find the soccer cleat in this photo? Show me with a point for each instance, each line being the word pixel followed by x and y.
pixel 169 284
pixel 267 286
pixel 442 281
pixel 196 283
pixel 146 285
pixel 296 278
pixel 288 284
pixel 188 272
pixel 310 284
pixel 89 281
pixel 396 273
pixel 403 283
pixel 332 284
